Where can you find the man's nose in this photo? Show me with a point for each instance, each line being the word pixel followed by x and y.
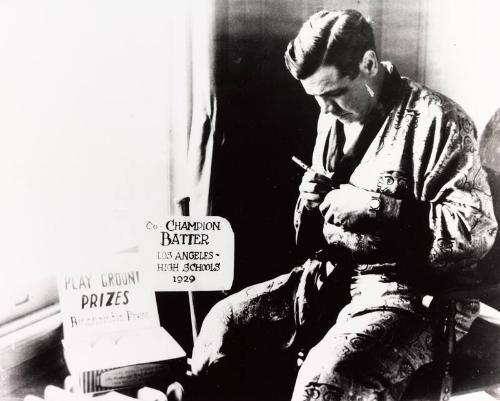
pixel 329 106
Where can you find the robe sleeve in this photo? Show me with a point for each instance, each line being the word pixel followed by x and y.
pixel 453 210
pixel 448 224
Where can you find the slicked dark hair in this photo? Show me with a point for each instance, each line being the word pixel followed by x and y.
pixel 338 38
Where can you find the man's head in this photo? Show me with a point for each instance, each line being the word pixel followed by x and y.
pixel 334 57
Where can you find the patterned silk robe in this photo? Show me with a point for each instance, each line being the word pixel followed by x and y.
pixel 419 150
pixel 437 218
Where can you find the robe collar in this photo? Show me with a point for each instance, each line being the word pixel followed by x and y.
pixel 391 88
pixel 389 96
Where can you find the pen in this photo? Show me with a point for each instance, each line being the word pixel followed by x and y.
pixel 304 166
pixel 301 164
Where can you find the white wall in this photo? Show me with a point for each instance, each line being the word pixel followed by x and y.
pixel 403 35
pixel 451 46
pixel 463 54
pixel 84 100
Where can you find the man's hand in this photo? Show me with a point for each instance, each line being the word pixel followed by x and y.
pixel 347 207
pixel 313 188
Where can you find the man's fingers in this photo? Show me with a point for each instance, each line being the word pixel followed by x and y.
pixel 326 208
pixel 323 179
pixel 311 196
pixel 312 200
pixel 327 213
pixel 312 205
pixel 314 187
pixel 312 176
pixel 330 198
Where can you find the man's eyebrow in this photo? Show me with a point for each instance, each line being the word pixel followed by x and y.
pixel 335 92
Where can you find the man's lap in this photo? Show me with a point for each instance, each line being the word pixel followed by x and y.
pixel 369 354
pixel 377 348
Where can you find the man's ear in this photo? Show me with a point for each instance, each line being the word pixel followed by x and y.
pixel 369 64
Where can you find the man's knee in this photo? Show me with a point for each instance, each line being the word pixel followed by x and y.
pixel 214 338
pixel 319 377
pixel 321 365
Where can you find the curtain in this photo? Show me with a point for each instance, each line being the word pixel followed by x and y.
pixel 193 109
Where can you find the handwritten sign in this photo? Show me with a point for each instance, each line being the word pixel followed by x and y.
pixel 119 298
pixel 189 253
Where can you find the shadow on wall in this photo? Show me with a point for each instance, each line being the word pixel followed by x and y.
pixel 264 118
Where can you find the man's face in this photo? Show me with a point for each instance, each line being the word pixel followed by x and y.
pixel 348 99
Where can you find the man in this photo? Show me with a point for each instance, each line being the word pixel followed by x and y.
pixel 396 206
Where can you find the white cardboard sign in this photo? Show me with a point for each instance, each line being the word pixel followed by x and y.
pixel 189 253
pixel 116 299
